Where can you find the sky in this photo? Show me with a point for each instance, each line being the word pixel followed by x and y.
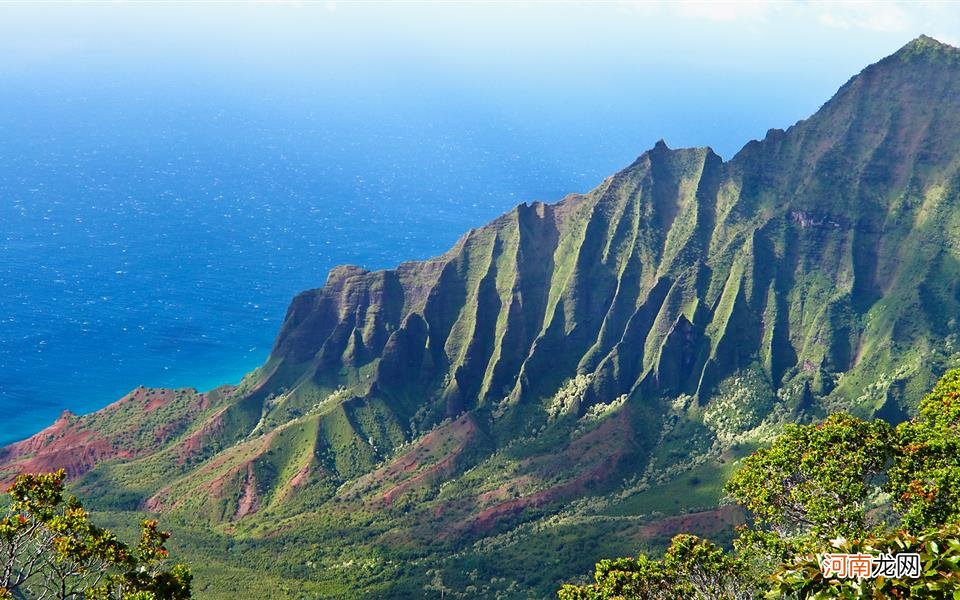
pixel 694 73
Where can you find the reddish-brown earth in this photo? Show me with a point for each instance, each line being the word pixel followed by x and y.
pixel 250 499
pixel 430 459
pixel 589 460
pixel 60 446
pixel 72 443
pixel 704 524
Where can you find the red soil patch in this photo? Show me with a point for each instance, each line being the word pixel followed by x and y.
pixel 75 452
pixel 156 401
pixel 194 444
pixel 302 476
pixel 593 457
pixel 249 499
pixel 703 524
pixel 505 491
pixel 463 430
pixel 211 485
pixel 488 518
pixel 418 466
pixel 78 444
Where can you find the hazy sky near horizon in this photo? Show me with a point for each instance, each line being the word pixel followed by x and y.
pixel 694 73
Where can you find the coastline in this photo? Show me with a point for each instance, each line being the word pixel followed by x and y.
pixel 19 425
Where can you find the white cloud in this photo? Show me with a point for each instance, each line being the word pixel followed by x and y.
pixel 870 15
pixel 831 20
pixel 886 17
pixel 724 11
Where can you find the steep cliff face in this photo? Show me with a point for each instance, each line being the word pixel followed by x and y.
pixel 819 254
pixel 596 347
pixel 517 306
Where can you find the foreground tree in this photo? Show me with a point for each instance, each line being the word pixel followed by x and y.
pixel 50 549
pixel 814 483
pixel 815 480
pixel 844 486
pixel 925 477
pixel 938 575
pixel 691 568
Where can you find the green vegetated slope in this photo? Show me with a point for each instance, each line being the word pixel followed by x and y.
pixel 576 380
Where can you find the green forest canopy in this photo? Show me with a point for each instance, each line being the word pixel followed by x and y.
pixel 840 486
